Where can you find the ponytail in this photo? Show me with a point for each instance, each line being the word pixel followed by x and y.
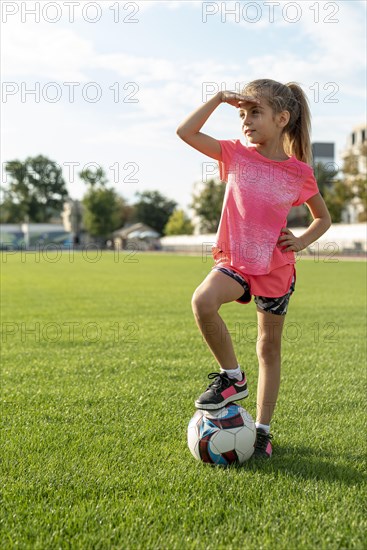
pixel 297 132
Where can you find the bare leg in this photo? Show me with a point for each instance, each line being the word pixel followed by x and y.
pixel 268 349
pixel 216 289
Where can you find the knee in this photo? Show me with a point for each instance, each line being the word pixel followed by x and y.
pixel 202 303
pixel 267 350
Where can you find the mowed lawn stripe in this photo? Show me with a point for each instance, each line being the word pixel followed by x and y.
pixel 101 363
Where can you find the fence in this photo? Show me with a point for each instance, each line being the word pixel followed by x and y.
pixel 340 239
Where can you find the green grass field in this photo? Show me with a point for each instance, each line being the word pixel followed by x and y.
pixel 101 363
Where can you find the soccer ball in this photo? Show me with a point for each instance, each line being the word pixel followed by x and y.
pixel 222 437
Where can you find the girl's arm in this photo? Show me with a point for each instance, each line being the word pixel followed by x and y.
pixel 189 129
pixel 320 224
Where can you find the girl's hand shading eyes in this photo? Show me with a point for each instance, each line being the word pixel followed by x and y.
pixel 238 100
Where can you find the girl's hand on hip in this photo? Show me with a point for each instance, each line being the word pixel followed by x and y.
pixel 238 100
pixel 288 242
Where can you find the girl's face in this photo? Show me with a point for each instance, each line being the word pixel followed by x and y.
pixel 259 124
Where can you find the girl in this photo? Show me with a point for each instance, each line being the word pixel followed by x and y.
pixel 254 250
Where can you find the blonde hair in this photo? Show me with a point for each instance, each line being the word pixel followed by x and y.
pixel 287 97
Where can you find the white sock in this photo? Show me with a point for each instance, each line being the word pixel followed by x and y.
pixel 233 373
pixel 265 427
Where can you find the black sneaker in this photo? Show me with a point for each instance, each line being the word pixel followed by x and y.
pixel 222 391
pixel 263 447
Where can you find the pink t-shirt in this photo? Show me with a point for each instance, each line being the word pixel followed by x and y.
pixel 259 195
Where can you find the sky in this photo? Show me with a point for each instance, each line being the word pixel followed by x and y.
pixel 107 83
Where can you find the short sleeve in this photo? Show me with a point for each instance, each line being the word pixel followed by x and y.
pixel 309 189
pixel 228 147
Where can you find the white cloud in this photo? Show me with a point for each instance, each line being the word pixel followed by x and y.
pixel 139 68
pixel 149 134
pixel 340 44
pixel 306 52
pixel 170 4
pixel 61 54
pixel 43 51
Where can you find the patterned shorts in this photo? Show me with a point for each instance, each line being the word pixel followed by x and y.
pixel 278 306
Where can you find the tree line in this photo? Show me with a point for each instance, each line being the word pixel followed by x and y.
pixel 37 191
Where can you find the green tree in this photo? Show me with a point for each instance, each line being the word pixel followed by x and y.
pixel 126 212
pixel 207 204
pixel 333 193
pixel 324 176
pixel 360 187
pixel 11 211
pixel 94 178
pixel 102 205
pixel 339 192
pixel 350 166
pixel 36 192
pixel 154 209
pixel 336 198
pixel 178 224
pixel 357 180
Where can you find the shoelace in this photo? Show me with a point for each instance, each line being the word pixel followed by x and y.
pixel 220 381
pixel 262 440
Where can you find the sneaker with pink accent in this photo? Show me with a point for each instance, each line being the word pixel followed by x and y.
pixel 263 447
pixel 222 391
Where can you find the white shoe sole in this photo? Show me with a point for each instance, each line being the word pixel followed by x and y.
pixel 214 406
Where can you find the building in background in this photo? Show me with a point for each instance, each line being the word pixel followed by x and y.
pixel 357 147
pixel 355 169
pixel 24 236
pixel 137 236
pixel 324 153
pixel 72 217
